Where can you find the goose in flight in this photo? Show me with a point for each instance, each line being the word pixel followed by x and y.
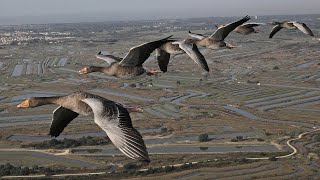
pixel 129 66
pixel 216 40
pixel 247 28
pixel 290 25
pixel 179 47
pixel 112 117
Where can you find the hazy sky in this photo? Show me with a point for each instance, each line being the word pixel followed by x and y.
pixel 151 9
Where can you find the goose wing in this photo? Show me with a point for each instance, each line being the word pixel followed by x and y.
pixel 274 30
pixel 250 25
pixel 222 32
pixel 163 59
pixel 192 50
pixel 139 54
pixel 303 27
pixel 108 58
pixel 197 36
pixel 115 120
pixel 61 118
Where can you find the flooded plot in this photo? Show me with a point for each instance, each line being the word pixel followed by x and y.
pixel 303 66
pixel 178 100
pixel 29 69
pixel 39 69
pixel 285 99
pixel 6 118
pixel 290 103
pixel 17 71
pixel 62 61
pixel 289 94
pixel 54 62
pixel 9 124
pixel 42 158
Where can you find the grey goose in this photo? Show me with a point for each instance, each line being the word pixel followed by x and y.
pixel 216 40
pixel 290 25
pixel 112 117
pixel 131 65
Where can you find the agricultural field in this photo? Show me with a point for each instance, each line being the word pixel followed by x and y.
pixel 259 105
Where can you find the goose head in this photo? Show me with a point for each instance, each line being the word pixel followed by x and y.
pixel 86 70
pixel 30 103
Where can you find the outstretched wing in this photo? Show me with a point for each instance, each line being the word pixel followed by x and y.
pixel 192 50
pixel 303 27
pixel 163 59
pixel 61 118
pixel 222 32
pixel 139 54
pixel 250 25
pixel 115 120
pixel 197 36
pixel 274 30
pixel 108 58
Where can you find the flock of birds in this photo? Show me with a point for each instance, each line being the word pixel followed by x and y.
pixel 113 117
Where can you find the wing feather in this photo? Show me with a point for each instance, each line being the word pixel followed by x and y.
pixel 274 30
pixel 222 32
pixel 115 120
pixel 60 119
pixel 108 58
pixel 197 36
pixel 192 50
pixel 163 59
pixel 139 54
pixel 304 28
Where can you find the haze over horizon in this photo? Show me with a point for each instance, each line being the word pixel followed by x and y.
pixel 58 11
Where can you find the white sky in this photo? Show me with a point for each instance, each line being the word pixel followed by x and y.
pixel 154 9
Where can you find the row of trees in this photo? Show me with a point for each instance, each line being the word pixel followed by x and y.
pixel 9 169
pixel 69 143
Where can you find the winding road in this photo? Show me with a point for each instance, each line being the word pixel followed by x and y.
pixel 289 143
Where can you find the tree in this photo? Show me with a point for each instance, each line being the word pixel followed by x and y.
pixel 203 137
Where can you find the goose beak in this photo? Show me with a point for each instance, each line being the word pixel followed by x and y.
pixel 84 70
pixel 24 104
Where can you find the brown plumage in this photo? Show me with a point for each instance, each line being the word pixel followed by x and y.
pixel 216 40
pixel 112 117
pixel 290 25
pixel 180 47
pixel 246 29
pixel 131 65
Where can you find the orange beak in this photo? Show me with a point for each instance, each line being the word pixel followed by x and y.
pixel 24 104
pixel 84 70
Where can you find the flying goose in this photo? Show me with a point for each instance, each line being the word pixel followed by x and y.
pixel 216 40
pixel 247 28
pixel 112 117
pixel 129 66
pixel 290 25
pixel 179 47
